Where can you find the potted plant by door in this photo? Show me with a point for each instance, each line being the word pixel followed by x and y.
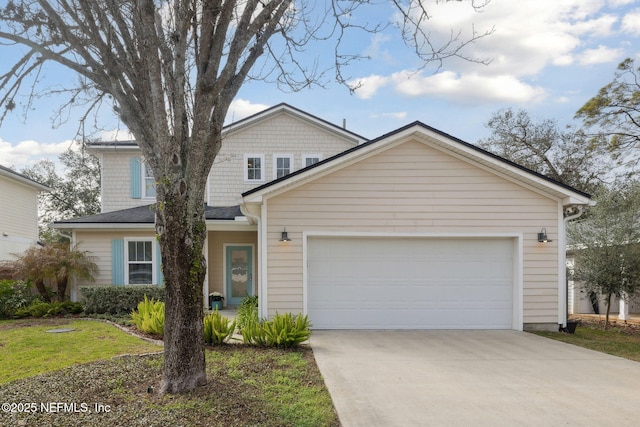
pixel 215 300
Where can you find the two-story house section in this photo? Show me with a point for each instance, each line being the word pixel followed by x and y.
pixel 18 212
pixel 415 229
pixel 256 150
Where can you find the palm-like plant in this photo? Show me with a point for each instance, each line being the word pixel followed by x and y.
pixel 55 263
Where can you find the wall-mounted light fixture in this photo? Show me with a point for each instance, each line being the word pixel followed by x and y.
pixel 5 234
pixel 542 236
pixel 285 236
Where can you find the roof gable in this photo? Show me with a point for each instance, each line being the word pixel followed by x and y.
pixel 298 114
pixel 22 179
pixel 436 139
pixel 254 120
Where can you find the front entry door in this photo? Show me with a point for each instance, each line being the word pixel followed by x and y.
pixel 239 273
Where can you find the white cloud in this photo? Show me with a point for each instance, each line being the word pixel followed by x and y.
pixel 366 87
pixel 470 88
pixel 631 22
pixel 115 135
pixel 26 153
pixel 530 36
pixel 599 55
pixel 241 108
pixel 399 115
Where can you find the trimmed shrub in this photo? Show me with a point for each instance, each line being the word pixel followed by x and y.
pixel 14 295
pixel 217 328
pixel 48 309
pixel 149 317
pixel 118 299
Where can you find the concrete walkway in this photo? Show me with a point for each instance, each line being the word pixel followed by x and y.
pixel 473 378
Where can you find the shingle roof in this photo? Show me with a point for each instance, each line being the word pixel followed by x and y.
pixel 146 215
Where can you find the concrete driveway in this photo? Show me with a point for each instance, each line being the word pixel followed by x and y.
pixel 473 378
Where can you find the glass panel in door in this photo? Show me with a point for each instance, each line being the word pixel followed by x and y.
pixel 239 272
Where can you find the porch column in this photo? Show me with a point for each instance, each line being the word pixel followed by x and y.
pixel 205 285
pixel 623 313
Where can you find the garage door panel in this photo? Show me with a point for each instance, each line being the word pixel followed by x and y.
pixel 410 283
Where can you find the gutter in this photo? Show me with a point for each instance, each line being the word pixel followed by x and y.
pixel 580 208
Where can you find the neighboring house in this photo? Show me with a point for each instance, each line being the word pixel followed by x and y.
pixel 582 302
pixel 413 230
pixel 18 212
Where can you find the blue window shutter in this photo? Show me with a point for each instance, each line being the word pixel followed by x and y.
pixel 117 262
pixel 158 265
pixel 136 178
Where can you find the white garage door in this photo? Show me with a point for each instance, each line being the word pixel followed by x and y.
pixel 410 283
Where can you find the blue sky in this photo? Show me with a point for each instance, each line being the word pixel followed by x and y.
pixel 546 56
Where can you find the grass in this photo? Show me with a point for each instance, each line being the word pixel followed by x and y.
pixel 618 341
pixel 246 385
pixel 28 349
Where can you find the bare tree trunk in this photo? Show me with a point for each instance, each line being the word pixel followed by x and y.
pixel 61 287
pixel 181 227
pixel 42 290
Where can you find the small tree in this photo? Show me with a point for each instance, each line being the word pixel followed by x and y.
pixel 75 193
pixel 614 113
pixel 607 245
pixel 562 155
pixel 56 263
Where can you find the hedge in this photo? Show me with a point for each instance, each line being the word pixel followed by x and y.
pixel 118 299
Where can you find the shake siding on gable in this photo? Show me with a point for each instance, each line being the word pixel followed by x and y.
pixel 116 184
pixel 412 188
pixel 281 134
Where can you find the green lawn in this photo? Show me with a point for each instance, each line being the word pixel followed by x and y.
pixel 26 348
pixel 615 341
pixel 246 385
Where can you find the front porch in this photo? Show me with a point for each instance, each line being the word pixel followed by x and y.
pixel 232 262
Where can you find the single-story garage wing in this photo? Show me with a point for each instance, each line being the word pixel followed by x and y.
pixel 414 230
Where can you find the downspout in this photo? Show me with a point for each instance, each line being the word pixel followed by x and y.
pixel 566 220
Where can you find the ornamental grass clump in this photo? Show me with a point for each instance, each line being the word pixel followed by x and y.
pixel 149 317
pixel 284 330
pixel 217 328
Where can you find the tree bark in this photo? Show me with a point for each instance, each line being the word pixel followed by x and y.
pixel 181 229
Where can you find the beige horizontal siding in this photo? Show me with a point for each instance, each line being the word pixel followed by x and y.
pixel 412 188
pixel 98 244
pixel 18 209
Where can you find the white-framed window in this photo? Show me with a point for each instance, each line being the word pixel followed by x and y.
pixel 139 259
pixel 282 165
pixel 310 159
pixel 148 182
pixel 254 167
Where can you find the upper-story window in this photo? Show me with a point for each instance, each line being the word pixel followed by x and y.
pixel 143 184
pixel 148 182
pixel 254 167
pixel 310 159
pixel 282 165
